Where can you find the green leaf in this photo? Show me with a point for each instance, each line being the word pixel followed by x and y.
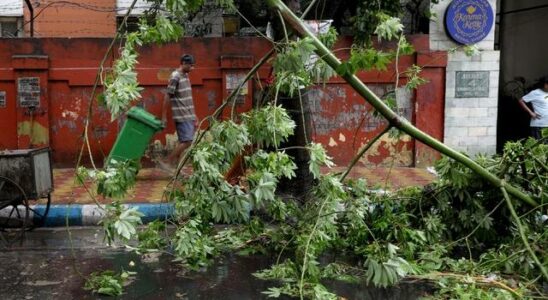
pixel 318 157
pixel 273 292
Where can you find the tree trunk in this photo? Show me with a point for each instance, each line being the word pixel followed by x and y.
pixel 299 186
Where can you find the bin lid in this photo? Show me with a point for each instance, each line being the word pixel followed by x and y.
pixel 145 117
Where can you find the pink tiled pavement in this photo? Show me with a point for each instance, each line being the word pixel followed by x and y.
pixel 151 183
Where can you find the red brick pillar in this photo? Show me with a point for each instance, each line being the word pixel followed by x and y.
pixel 430 104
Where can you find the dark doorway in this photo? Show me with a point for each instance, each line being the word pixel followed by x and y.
pixel 521 26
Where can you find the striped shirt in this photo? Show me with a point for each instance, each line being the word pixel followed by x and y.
pixel 180 93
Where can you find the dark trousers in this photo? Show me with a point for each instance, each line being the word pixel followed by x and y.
pixel 536 132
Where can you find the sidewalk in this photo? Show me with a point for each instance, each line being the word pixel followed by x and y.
pixel 151 183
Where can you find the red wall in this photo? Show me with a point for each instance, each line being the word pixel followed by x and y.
pixel 67 69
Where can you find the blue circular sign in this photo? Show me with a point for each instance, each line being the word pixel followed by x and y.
pixel 469 21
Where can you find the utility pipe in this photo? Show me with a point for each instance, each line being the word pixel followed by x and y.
pixel 31 10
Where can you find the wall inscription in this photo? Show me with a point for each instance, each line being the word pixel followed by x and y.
pixel 472 84
pixel 28 91
pixel 2 99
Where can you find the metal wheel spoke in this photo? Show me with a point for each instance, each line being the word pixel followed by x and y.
pixel 11 212
pixel 41 216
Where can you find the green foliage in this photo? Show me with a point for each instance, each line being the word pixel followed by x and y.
pixel 468 290
pixel 290 66
pixel 329 38
pixel 365 59
pixel 121 86
pixel 369 15
pixel 387 235
pixel 404 47
pixel 413 77
pixel 409 232
pixel 287 273
pixel 120 222
pixel 231 136
pixel 368 58
pixel 297 66
pixel 526 163
pixel 107 282
pixel 471 50
pixel 318 158
pixel 462 195
pixel 183 7
pixel 114 181
pixel 192 246
pixel 277 163
pixel 269 126
pixel 389 28
pixel 150 238
pixel 162 31
pixel 383 267
pixel 343 272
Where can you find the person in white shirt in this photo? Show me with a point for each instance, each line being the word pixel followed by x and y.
pixel 538 98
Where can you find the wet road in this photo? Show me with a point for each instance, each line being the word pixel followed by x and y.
pixel 45 266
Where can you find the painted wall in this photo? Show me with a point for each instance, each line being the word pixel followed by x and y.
pixel 75 18
pixel 66 69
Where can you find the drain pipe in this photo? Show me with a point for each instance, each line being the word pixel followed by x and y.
pixel 31 10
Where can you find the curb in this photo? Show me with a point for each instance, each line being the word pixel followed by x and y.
pixel 91 214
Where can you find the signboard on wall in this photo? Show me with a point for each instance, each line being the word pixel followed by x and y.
pixel 472 84
pixel 469 21
pixel 2 99
pixel 28 91
pixel 233 80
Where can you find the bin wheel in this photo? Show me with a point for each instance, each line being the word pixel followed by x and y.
pixel 39 216
pixel 14 210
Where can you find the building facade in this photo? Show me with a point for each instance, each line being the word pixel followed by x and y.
pixel 97 18
pixel 471 104
pixel 461 103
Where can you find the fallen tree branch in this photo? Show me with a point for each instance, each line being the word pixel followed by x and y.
pixel 217 113
pixel 362 152
pixel 464 279
pixel 522 232
pixel 394 119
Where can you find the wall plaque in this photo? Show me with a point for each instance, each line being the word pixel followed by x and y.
pixel 28 91
pixel 469 21
pixel 472 84
pixel 233 80
pixel 2 99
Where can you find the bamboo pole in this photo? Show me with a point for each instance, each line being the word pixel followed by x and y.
pixel 389 114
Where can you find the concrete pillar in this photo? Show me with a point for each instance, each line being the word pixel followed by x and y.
pixel 470 116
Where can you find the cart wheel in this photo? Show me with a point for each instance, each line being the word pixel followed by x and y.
pixel 14 206
pixel 40 215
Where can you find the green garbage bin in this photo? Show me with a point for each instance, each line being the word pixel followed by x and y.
pixel 135 136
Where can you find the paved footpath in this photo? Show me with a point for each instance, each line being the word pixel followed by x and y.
pixel 151 183
pixel 73 203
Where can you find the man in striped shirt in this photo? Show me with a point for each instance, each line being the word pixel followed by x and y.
pixel 179 94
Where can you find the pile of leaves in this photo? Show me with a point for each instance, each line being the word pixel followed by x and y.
pixel 456 232
pixel 460 232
